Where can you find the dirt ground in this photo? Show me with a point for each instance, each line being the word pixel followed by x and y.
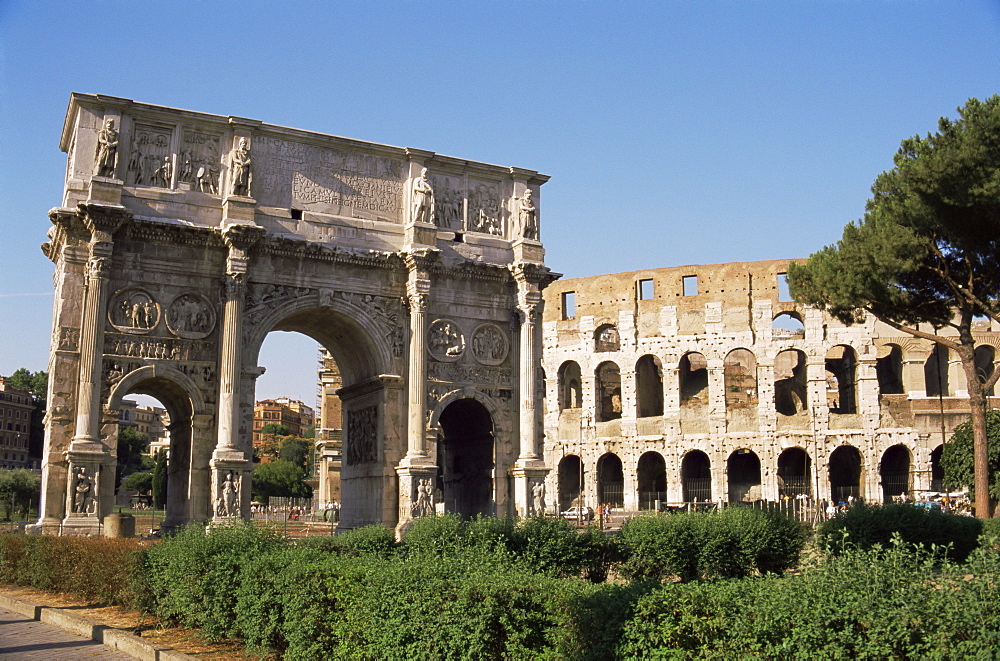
pixel 148 627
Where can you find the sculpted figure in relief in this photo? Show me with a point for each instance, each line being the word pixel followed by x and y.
pixel 424 505
pixel 446 339
pixel 239 167
pixel 135 166
pixel 83 491
pixel 528 217
pixel 164 173
pixel 538 498
pixel 106 160
pixel 423 199
pixel 228 501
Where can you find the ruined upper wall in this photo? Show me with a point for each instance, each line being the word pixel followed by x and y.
pixel 735 284
pixel 180 166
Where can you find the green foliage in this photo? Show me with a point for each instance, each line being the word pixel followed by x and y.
pixel 36 383
pixel 131 446
pixel 275 429
pixel 141 482
pixel 736 541
pixel 367 540
pixel 866 525
pixel 194 575
pixel 957 455
pixel 108 571
pixel 279 478
pixel 159 480
pixel 20 489
pixel 898 602
pixel 296 450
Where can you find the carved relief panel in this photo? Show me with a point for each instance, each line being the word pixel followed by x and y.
pixel 191 316
pixel 199 161
pixel 486 213
pixel 489 344
pixel 149 162
pixel 449 201
pixel 445 340
pixel 360 441
pixel 134 311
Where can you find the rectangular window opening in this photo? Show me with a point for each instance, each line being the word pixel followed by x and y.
pixel 783 295
pixel 569 305
pixel 690 285
pixel 646 289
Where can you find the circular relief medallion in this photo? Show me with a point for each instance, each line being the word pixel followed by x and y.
pixel 489 344
pixel 191 316
pixel 445 340
pixel 134 311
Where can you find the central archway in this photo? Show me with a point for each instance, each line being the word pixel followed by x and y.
pixel 466 459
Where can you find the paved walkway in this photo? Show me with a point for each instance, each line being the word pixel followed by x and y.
pixel 24 638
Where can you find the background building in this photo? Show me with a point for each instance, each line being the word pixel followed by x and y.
pixel 15 424
pixel 329 431
pixel 701 383
pixel 293 414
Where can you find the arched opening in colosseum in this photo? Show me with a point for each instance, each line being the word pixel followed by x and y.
pixel 788 325
pixel 985 355
pixel 606 338
pixel 696 477
pixel 609 392
pixel 889 369
pixel 693 380
pixel 841 379
pixel 937 473
pixel 610 480
pixel 845 474
pixel 465 459
pixel 570 389
pixel 936 372
pixel 740 373
pixel 895 473
pixel 790 393
pixel 649 387
pixel 794 473
pixel 571 481
pixel 743 468
pixel 652 478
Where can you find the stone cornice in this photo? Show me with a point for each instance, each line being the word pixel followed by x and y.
pixel 300 248
pixel 157 232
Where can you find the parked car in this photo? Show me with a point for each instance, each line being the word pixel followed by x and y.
pixel 578 513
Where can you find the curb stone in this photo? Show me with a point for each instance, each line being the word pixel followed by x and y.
pixel 115 638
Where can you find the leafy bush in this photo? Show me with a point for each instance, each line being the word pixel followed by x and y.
pixel 435 535
pixel 734 542
pixel 869 524
pixel 368 540
pixel 899 602
pixel 194 576
pixel 103 570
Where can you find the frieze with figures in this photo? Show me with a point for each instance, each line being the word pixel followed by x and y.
pixel 116 344
pixel 191 316
pixel 134 311
pixel 485 211
pixel 449 202
pixel 199 161
pixel 69 339
pixel 362 433
pixel 469 374
pixel 149 162
pixel 328 180
pixel 386 312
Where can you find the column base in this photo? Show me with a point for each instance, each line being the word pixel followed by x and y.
pixel 231 475
pixel 530 498
pixel 81 526
pixel 416 491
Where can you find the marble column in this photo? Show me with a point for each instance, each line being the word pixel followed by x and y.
pixel 89 492
pixel 230 463
pixel 416 470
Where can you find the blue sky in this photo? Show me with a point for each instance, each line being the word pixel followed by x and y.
pixel 675 132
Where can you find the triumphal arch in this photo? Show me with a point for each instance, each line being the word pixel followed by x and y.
pixel 184 238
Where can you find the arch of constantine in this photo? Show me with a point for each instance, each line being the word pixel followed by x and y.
pixel 184 238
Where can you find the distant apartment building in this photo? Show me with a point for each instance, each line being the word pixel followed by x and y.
pixel 293 414
pixel 15 424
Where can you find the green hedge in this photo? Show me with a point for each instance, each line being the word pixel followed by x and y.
pixel 899 602
pixel 734 542
pixel 107 571
pixel 866 525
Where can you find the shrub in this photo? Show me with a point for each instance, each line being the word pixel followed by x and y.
pixel 733 542
pixel 435 535
pixel 103 570
pixel 368 540
pixel 194 576
pixel 869 524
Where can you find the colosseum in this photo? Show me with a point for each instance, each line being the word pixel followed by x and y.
pixel 708 383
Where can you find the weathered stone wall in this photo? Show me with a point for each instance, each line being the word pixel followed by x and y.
pixel 730 382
